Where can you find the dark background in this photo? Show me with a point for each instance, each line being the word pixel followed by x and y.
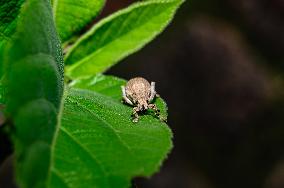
pixel 220 67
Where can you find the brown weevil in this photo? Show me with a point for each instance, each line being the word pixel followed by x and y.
pixel 139 93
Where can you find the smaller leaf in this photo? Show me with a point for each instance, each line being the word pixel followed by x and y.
pixel 111 86
pixel 118 36
pixel 107 85
pixel 71 16
pixel 98 145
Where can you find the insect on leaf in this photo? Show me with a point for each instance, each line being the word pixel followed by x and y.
pixel 98 145
pixel 118 36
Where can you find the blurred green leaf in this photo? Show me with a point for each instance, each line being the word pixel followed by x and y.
pixel 71 16
pixel 9 11
pixel 118 35
pixel 34 90
pixel 2 93
pixel 98 145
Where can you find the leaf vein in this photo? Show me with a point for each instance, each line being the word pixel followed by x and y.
pixel 85 149
pixel 106 123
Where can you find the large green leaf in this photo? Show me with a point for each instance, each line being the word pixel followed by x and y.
pixel 118 36
pixel 71 16
pixel 98 145
pixel 34 90
pixel 9 11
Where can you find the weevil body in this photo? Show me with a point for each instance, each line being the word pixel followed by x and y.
pixel 139 93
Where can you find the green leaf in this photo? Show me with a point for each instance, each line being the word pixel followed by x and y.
pixel 9 11
pixel 71 16
pixel 98 145
pixel 117 36
pixel 34 84
pixel 111 86
pixel 2 93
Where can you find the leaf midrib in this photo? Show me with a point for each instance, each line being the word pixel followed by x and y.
pixel 59 117
pixel 98 50
pixel 106 174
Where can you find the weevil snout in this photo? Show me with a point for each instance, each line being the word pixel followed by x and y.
pixel 143 104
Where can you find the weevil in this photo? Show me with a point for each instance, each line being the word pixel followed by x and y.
pixel 138 92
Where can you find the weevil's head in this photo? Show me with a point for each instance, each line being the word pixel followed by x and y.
pixel 142 104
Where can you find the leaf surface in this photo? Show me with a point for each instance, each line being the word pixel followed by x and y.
pixel 98 145
pixel 118 36
pixel 34 90
pixel 71 16
pixel 9 11
pixel 2 93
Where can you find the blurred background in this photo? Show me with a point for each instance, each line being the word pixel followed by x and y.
pixel 220 67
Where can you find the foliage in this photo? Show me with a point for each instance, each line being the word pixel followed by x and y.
pixel 80 134
pixel 34 79
pixel 9 11
pixel 72 16
pixel 117 36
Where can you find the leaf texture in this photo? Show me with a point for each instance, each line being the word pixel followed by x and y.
pixel 98 145
pixel 9 11
pixel 118 36
pixel 34 90
pixel 71 16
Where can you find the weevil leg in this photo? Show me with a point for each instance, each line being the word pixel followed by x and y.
pixel 135 114
pixel 124 96
pixel 153 92
pixel 156 110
